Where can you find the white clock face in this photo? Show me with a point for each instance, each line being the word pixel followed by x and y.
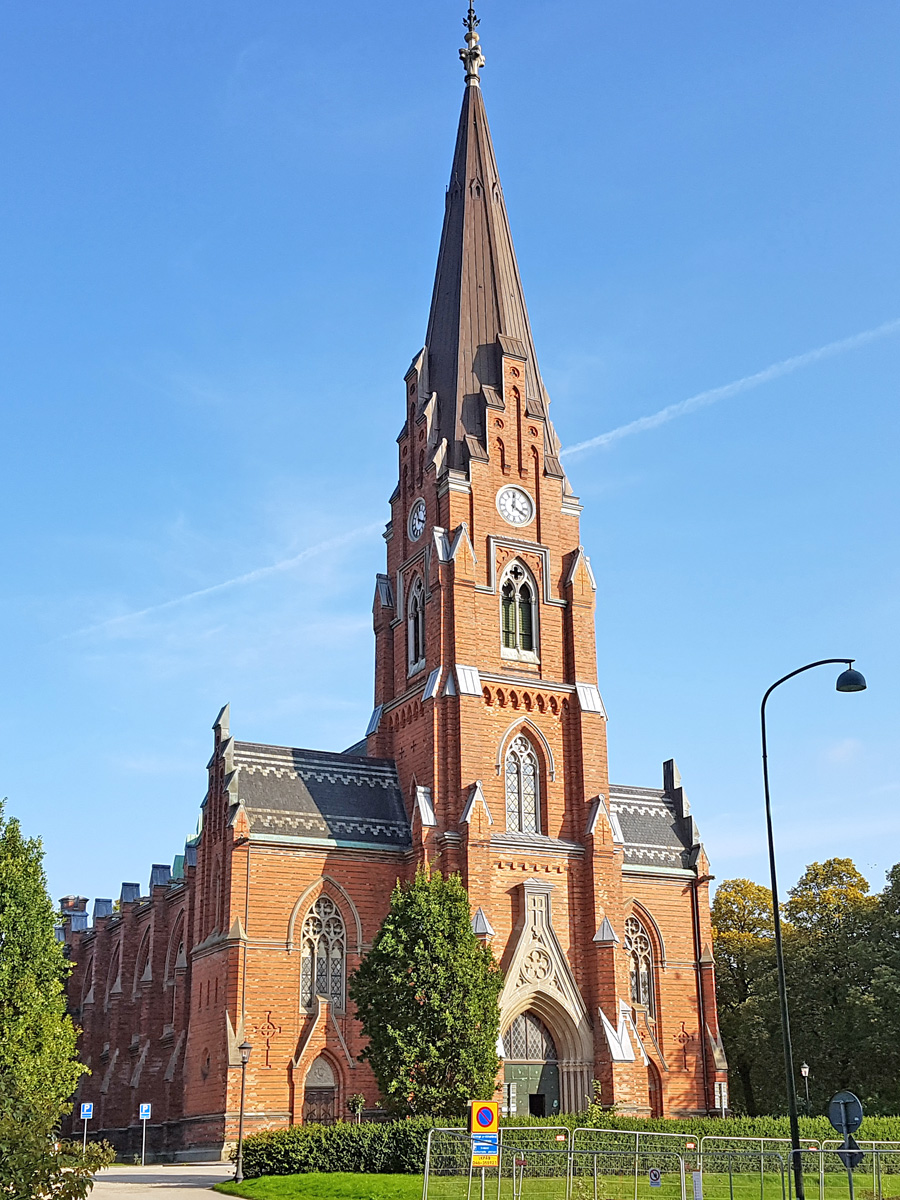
pixel 515 506
pixel 417 520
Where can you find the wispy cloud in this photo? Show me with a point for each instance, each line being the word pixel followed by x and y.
pixel 286 564
pixel 703 399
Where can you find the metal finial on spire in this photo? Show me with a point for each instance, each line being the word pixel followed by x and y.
pixel 471 55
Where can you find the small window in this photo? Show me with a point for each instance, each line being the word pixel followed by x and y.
pixel 415 628
pixel 323 955
pixel 518 610
pixel 522 787
pixel 639 949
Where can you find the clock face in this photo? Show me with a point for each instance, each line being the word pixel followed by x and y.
pixel 515 506
pixel 417 520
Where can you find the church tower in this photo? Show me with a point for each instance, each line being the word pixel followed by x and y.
pixel 486 693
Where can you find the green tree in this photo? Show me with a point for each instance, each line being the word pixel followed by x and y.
pixel 427 996
pixel 38 1065
pixel 745 986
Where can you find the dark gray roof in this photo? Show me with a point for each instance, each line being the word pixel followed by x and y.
pixel 358 749
pixel 478 304
pixel 655 834
pixel 313 795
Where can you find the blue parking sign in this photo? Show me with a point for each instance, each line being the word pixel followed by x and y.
pixel 87 1111
pixel 145 1112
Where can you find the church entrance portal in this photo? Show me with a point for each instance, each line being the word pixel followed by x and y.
pixel 531 1068
pixel 320 1094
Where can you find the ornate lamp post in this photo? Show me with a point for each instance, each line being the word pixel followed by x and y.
pixel 848 681
pixel 804 1071
pixel 244 1049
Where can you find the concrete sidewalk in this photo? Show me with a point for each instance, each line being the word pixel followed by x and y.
pixel 144 1183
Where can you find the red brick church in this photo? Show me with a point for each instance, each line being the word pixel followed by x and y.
pixel 485 754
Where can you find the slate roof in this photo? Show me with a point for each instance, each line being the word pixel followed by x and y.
pixel 478 303
pixel 654 833
pixel 315 796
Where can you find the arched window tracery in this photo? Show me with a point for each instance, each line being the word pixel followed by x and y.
pixel 323 960
pixel 522 781
pixel 518 614
pixel 415 627
pixel 639 949
pixel 529 1040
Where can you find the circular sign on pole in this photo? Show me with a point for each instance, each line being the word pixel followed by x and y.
pixel 485 1116
pixel 845 1112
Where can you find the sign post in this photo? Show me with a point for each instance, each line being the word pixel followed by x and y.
pixel 87 1111
pixel 845 1114
pixel 145 1117
pixel 484 1127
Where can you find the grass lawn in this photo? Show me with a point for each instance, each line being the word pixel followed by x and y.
pixel 335 1186
pixel 339 1186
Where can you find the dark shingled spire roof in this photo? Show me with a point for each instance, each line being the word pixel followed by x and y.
pixel 478 307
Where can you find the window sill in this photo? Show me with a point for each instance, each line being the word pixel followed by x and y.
pixel 416 668
pixel 525 656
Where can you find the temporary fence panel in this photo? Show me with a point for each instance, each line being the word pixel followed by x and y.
pixel 626 1174
pixel 729 1173
pixel 449 1171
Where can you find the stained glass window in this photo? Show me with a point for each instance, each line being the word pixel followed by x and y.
pixel 639 949
pixel 323 954
pixel 522 787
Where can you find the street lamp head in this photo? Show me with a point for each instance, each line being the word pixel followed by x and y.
pixel 851 681
pixel 804 1069
pixel 245 1049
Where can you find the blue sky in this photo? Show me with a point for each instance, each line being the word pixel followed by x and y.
pixel 219 228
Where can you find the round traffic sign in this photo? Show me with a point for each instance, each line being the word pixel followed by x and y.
pixel 485 1117
pixel 845 1112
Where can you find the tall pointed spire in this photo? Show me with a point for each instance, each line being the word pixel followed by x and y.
pixel 478 310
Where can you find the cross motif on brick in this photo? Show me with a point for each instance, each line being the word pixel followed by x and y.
pixel 268 1030
pixel 684 1039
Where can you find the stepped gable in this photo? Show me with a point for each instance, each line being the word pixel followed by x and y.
pixel 313 795
pixel 654 833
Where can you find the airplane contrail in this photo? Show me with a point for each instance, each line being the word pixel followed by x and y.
pixel 248 577
pixel 702 399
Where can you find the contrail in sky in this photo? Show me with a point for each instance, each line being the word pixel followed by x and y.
pixel 249 577
pixel 702 399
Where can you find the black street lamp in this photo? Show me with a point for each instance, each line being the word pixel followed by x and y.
pixel 244 1049
pixel 804 1071
pixel 848 681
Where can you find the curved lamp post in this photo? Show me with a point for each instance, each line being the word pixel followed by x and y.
pixel 848 681
pixel 244 1049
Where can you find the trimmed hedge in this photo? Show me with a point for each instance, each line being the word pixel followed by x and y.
pixel 398 1147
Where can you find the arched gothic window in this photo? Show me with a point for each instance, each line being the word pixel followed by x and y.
pixel 529 1040
pixel 518 610
pixel 522 787
pixel 639 949
pixel 323 954
pixel 415 627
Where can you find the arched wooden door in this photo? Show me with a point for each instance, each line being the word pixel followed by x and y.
pixel 320 1094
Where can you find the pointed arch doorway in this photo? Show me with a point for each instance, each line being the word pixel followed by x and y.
pixel 530 1068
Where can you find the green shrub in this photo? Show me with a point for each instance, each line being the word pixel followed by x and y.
pixel 398 1147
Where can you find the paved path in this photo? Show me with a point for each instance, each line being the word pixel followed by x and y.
pixel 148 1183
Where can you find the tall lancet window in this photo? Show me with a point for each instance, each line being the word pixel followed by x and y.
pixel 522 787
pixel 415 628
pixel 518 613
pixel 323 954
pixel 639 949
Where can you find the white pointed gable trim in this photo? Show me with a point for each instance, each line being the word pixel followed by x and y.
pixel 476 796
pixel 432 685
pixel 424 805
pixel 581 559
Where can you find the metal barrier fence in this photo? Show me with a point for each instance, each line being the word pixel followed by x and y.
pixel 554 1163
